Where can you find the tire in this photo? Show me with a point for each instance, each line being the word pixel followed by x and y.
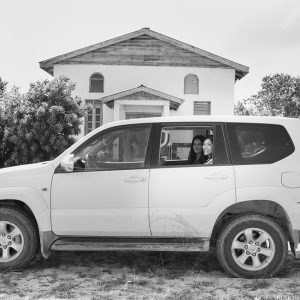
pixel 252 246
pixel 18 239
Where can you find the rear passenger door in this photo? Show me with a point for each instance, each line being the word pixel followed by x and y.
pixel 261 158
pixel 185 198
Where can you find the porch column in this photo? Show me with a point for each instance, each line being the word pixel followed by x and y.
pixel 166 110
pixel 116 111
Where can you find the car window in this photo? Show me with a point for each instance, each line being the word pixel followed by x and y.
pixel 191 145
pixel 121 148
pixel 258 143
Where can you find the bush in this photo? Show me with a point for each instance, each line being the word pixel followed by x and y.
pixel 41 124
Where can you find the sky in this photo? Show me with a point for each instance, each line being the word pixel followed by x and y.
pixel 261 34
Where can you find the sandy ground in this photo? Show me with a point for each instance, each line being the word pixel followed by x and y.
pixel 142 275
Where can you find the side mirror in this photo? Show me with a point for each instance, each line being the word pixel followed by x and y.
pixel 67 164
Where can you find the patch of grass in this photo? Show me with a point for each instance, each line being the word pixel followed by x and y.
pixel 257 284
pixel 112 283
pixel 294 285
pixel 207 283
pixel 187 294
pixel 82 275
pixel 102 297
pixel 10 285
pixel 159 289
pixel 195 285
pixel 6 281
pixel 63 290
pixel 142 282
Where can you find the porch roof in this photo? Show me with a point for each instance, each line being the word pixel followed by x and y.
pixel 142 93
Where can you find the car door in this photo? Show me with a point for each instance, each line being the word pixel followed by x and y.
pixel 185 198
pixel 107 194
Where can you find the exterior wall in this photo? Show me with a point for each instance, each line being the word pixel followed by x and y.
pixel 215 85
pixel 144 106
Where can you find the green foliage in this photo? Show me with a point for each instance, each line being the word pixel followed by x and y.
pixel 242 108
pixel 3 147
pixel 41 124
pixel 279 96
pixel 2 86
pixel 8 104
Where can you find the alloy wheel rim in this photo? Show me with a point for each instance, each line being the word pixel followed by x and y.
pixel 11 241
pixel 253 249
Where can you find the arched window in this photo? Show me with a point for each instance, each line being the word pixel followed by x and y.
pixel 96 83
pixel 191 84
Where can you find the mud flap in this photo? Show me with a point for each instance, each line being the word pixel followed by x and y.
pixel 294 241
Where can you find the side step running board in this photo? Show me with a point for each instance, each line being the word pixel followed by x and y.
pixel 84 244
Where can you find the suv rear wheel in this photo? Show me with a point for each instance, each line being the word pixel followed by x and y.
pixel 18 239
pixel 252 246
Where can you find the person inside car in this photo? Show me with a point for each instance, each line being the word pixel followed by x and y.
pixel 208 148
pixel 196 155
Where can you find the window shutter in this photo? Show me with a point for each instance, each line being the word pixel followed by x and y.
pixel 191 84
pixel 202 108
pixel 96 83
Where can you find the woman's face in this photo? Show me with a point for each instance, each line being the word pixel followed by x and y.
pixel 208 147
pixel 197 146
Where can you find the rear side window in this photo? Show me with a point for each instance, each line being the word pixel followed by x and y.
pixel 258 143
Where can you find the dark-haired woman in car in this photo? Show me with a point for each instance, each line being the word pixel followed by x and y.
pixel 208 149
pixel 196 155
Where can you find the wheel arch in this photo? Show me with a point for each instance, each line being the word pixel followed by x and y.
pixel 11 203
pixel 30 198
pixel 29 201
pixel 267 208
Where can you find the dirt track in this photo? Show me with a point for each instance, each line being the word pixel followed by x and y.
pixel 140 275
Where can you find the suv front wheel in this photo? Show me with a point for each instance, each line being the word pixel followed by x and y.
pixel 18 239
pixel 252 246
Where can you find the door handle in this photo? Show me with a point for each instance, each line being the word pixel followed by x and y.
pixel 216 176
pixel 135 179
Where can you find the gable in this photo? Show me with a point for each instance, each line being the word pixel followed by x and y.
pixel 142 96
pixel 144 50
pixel 144 47
pixel 142 93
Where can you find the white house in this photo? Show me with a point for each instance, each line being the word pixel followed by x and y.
pixel 144 74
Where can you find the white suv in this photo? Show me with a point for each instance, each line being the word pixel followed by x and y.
pixel 143 185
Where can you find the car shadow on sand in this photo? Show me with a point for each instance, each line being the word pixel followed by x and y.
pixel 167 264
pixel 170 264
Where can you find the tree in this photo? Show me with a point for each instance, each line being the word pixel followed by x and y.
pixel 242 108
pixel 43 122
pixel 279 96
pixel 2 86
pixel 8 102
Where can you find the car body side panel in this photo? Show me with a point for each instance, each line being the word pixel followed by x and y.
pixel 186 201
pixel 277 194
pixel 104 203
pixel 35 176
pixel 33 200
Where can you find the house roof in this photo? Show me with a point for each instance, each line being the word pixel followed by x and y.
pixel 240 70
pixel 142 92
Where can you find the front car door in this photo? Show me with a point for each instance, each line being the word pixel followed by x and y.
pixel 107 194
pixel 185 197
